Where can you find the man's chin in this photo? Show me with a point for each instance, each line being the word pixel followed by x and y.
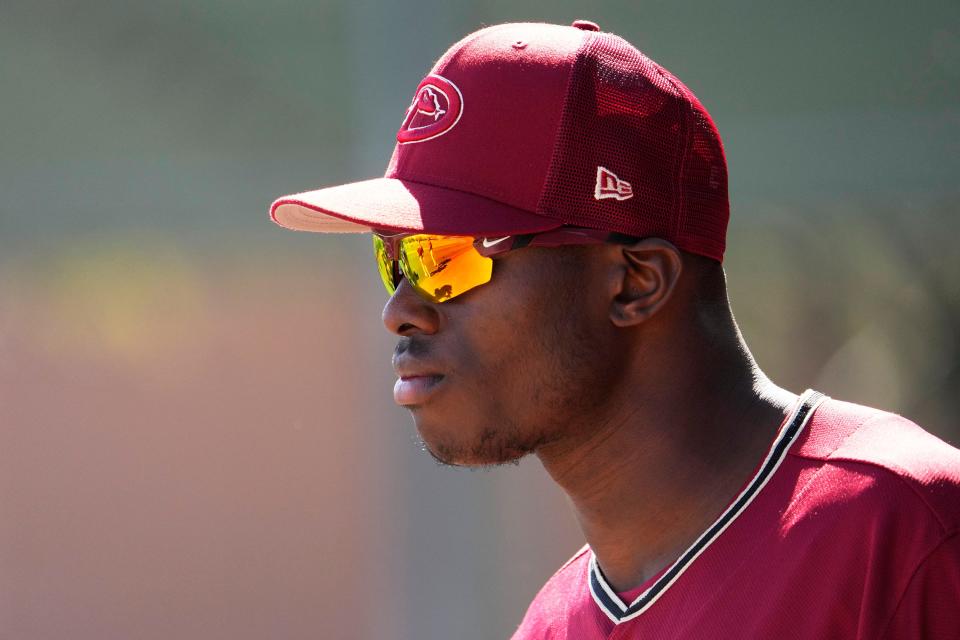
pixel 481 453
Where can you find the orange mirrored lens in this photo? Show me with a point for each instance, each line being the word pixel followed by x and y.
pixel 443 267
pixel 437 267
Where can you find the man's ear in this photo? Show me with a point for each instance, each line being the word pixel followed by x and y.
pixel 650 270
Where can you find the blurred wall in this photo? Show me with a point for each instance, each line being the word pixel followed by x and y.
pixel 197 437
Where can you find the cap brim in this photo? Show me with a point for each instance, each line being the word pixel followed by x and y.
pixel 391 204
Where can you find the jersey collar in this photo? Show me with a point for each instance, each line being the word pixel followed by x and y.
pixel 617 610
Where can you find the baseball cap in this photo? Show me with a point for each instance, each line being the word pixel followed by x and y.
pixel 527 127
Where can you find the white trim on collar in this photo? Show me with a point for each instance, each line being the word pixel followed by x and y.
pixel 618 611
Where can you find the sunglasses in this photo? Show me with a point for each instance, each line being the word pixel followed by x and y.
pixel 440 268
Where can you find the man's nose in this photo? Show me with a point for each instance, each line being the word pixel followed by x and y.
pixel 406 312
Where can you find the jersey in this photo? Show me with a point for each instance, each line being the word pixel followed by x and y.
pixel 849 528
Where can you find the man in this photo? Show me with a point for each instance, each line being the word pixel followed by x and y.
pixel 551 228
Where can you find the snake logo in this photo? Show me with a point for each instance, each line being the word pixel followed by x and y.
pixel 436 107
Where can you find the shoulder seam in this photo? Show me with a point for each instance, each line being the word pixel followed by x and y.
pixel 891 470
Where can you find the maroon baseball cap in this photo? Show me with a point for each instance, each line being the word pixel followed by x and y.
pixel 521 128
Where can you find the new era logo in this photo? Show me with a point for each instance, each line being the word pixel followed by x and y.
pixel 610 186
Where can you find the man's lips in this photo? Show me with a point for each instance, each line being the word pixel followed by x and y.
pixel 413 390
pixel 418 379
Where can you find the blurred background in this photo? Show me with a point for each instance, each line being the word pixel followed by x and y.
pixel 197 433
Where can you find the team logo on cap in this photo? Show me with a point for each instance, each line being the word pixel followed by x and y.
pixel 436 108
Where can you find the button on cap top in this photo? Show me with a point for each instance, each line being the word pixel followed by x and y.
pixel 586 25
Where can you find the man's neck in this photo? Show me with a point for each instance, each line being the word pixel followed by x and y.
pixel 648 478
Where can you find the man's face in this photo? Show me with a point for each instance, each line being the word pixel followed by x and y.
pixel 514 364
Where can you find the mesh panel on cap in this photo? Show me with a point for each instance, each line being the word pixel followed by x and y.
pixel 706 207
pixel 627 114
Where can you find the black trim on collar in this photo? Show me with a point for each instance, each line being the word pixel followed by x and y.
pixel 607 599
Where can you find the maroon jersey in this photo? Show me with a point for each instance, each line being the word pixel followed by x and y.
pixel 849 528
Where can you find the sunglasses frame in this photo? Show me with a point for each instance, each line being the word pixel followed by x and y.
pixel 488 246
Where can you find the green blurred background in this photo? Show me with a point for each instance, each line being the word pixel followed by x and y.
pixel 198 435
